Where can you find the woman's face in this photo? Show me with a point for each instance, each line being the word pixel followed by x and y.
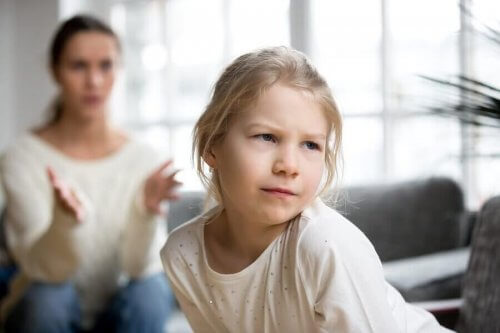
pixel 86 73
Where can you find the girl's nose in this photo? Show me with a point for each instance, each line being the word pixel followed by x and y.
pixel 286 162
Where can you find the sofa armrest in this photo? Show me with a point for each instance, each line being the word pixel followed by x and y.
pixel 446 311
pixel 441 306
pixel 431 276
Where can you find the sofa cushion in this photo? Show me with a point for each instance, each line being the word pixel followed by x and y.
pixel 407 219
pixel 432 276
pixel 183 210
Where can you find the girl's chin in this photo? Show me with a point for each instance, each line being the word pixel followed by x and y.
pixel 280 218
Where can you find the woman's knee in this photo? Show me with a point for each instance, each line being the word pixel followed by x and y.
pixel 45 308
pixel 149 296
pixel 144 305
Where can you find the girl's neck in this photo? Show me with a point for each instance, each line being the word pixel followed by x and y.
pixel 234 242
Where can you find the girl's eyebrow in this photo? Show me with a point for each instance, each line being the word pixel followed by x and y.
pixel 259 125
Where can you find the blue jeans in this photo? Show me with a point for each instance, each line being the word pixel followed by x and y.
pixel 141 306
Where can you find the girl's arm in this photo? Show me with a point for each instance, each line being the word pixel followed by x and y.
pixel 347 296
pixel 412 318
pixel 347 285
pixel 41 234
pixel 191 311
pixel 177 274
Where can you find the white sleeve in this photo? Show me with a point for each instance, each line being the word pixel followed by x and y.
pixel 410 317
pixel 175 275
pixel 40 235
pixel 349 291
pixel 145 232
pixel 347 299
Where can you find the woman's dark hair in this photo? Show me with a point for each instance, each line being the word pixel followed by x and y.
pixel 72 26
pixel 67 30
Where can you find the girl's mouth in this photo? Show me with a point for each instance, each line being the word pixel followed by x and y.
pixel 279 191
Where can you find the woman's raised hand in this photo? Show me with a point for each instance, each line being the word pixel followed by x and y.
pixel 65 196
pixel 160 187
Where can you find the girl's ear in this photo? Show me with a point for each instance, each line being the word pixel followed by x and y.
pixel 209 158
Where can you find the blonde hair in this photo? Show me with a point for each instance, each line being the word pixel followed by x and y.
pixel 239 88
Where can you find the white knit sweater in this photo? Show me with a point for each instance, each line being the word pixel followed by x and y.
pixel 117 239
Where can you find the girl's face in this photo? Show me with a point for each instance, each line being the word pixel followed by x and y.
pixel 271 161
pixel 86 73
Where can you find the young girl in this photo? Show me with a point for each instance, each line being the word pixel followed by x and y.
pixel 271 257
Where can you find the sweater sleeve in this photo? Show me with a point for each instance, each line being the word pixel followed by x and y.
pixel 145 232
pixel 348 288
pixel 40 235
pixel 344 300
pixel 176 270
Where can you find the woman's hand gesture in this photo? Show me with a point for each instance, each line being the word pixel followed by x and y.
pixel 65 196
pixel 160 187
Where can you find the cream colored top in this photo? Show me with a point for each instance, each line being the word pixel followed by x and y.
pixel 320 275
pixel 117 239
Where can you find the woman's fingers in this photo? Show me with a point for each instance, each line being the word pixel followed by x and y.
pixel 53 178
pixel 170 184
pixel 52 175
pixel 160 186
pixel 55 182
pixel 171 187
pixel 171 196
pixel 65 196
pixel 163 166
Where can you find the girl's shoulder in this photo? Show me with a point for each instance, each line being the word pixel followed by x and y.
pixel 187 237
pixel 329 245
pixel 325 232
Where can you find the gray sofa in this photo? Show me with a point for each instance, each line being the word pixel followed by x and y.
pixel 420 230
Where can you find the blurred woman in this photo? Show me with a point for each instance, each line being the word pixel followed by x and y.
pixel 84 221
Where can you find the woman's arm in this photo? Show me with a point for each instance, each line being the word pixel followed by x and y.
pixel 146 227
pixel 40 232
pixel 141 240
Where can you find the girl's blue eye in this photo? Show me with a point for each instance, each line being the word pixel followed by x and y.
pixel 267 137
pixel 312 145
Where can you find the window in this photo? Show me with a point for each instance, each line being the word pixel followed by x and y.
pixel 372 58
pixel 174 51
